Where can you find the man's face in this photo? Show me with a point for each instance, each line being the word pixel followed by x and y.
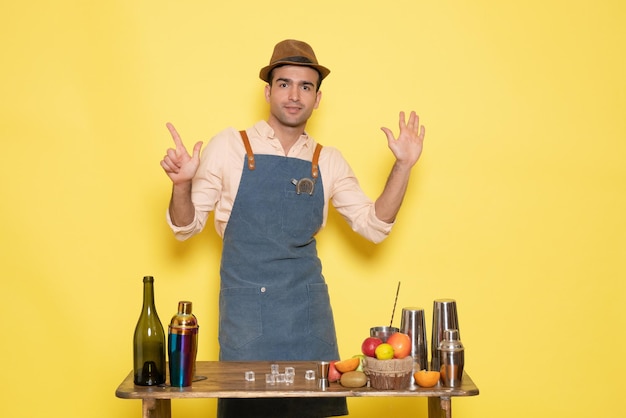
pixel 292 95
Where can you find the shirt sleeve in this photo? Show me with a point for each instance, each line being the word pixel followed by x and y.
pixel 207 185
pixel 349 199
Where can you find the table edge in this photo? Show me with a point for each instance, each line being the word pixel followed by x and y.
pixel 127 390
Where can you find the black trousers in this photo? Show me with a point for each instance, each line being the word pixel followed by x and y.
pixel 281 407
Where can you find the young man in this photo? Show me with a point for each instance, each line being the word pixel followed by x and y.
pixel 270 187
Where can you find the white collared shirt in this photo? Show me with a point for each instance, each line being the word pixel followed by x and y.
pixel 215 185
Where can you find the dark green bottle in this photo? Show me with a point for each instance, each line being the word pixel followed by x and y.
pixel 149 341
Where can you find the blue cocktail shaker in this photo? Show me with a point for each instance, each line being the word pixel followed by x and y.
pixel 182 346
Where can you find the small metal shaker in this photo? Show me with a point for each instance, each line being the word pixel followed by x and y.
pixel 182 346
pixel 452 357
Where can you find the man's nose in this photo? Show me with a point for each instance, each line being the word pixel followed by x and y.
pixel 294 93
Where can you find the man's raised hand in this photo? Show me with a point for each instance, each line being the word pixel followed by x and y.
pixel 407 148
pixel 177 163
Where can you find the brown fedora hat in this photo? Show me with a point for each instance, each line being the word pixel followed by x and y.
pixel 292 52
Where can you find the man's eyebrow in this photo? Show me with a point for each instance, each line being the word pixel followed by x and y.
pixel 288 80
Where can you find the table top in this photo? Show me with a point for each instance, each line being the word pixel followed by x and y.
pixel 218 379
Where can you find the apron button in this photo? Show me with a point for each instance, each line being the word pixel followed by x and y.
pixel 263 289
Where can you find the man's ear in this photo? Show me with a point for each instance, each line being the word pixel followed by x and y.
pixel 268 92
pixel 318 100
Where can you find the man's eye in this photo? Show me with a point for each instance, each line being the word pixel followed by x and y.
pixel 283 84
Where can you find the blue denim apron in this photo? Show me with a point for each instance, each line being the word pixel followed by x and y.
pixel 274 302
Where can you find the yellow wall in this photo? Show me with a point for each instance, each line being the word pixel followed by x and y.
pixel 516 209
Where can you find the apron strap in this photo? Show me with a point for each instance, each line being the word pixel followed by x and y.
pixel 314 166
pixel 246 143
pixel 251 164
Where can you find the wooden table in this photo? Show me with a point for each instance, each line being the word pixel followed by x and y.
pixel 226 380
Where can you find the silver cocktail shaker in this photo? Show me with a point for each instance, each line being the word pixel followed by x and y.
pixel 452 357
pixel 414 325
pixel 444 317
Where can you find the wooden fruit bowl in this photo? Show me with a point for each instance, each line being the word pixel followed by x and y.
pixel 389 374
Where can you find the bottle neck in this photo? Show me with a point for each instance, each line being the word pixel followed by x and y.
pixel 148 296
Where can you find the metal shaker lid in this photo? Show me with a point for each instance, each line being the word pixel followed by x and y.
pixel 184 307
pixel 451 341
pixel 184 318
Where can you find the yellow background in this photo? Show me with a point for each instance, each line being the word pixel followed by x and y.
pixel 516 208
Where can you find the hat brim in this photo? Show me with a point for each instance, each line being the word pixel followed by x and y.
pixel 265 71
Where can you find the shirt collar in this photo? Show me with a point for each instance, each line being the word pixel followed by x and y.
pixel 265 131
